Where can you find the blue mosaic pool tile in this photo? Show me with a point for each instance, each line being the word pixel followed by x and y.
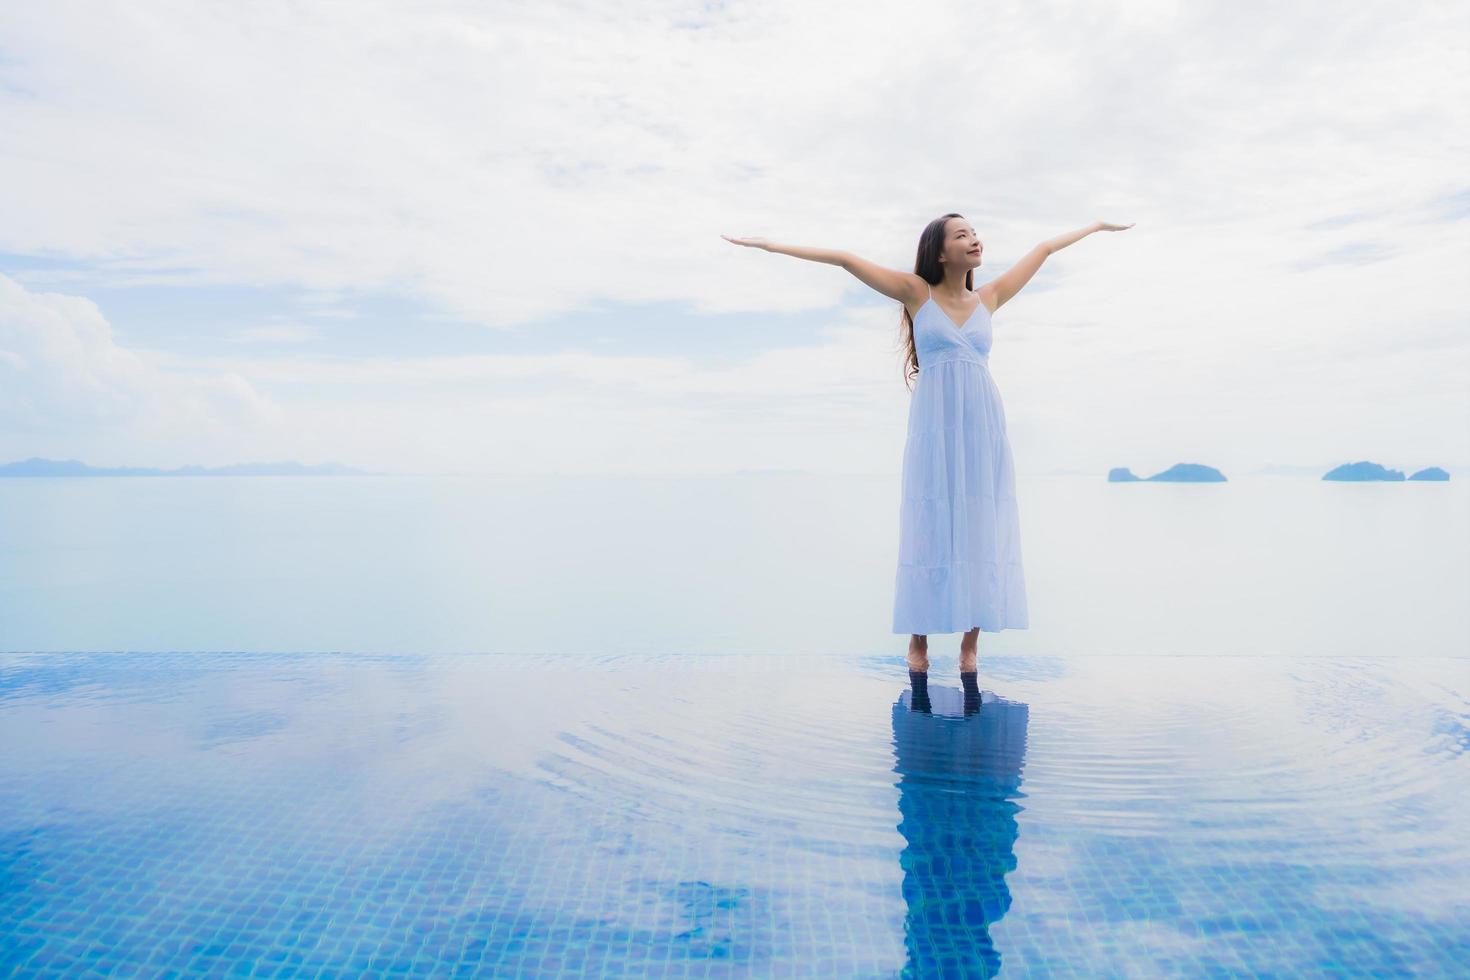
pixel 344 815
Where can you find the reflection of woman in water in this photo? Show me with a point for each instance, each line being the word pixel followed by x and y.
pixel 959 775
pixel 959 554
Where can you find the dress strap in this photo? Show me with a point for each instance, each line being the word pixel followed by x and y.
pixel 930 288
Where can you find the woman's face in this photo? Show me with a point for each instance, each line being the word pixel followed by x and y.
pixel 962 247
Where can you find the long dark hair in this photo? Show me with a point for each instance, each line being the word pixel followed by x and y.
pixel 928 267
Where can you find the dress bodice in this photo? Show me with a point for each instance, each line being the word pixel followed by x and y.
pixel 938 338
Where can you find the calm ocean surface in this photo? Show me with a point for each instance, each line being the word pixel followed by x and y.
pixel 760 564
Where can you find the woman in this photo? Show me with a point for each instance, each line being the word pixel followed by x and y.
pixel 959 552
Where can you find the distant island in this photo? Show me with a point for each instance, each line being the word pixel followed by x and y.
pixel 36 466
pixel 1178 473
pixel 1364 470
pixel 1199 473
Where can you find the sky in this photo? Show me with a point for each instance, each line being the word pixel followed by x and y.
pixel 485 238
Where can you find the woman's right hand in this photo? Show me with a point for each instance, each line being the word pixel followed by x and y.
pixel 749 242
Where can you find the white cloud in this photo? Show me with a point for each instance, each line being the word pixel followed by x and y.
pixel 512 161
pixel 64 379
pixel 68 389
pixel 1293 286
pixel 835 405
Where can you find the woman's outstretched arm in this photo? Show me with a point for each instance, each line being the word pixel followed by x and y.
pixel 896 284
pixel 1009 283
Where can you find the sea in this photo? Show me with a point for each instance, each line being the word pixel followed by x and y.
pixel 785 565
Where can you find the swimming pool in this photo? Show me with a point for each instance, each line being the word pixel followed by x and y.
pixel 505 815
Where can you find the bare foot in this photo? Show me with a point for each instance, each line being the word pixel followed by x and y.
pixel 969 650
pixel 919 653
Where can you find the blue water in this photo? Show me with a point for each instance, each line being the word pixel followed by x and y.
pixel 279 815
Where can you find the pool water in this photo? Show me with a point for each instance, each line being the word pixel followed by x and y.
pixel 285 815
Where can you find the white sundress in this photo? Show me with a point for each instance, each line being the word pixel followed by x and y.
pixel 959 552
